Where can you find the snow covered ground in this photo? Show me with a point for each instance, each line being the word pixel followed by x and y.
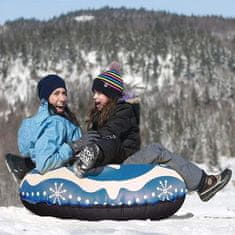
pixel 195 217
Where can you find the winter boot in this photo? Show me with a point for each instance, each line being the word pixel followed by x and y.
pixel 214 183
pixel 18 166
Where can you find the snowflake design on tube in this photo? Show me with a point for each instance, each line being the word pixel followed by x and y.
pixel 57 193
pixel 165 191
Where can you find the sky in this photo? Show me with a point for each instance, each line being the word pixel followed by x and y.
pixel 46 9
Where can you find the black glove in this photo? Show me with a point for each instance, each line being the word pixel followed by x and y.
pixel 86 159
pixel 90 137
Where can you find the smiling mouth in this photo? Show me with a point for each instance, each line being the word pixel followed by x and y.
pixel 60 108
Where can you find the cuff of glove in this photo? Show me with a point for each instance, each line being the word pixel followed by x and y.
pixel 77 169
pixel 74 148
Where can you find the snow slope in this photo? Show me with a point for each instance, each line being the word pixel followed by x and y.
pixel 195 217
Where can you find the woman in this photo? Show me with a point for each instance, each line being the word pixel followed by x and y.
pixel 116 122
pixel 47 136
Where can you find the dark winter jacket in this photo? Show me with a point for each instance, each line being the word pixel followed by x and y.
pixel 120 135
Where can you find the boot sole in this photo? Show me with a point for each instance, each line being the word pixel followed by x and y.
pixel 16 179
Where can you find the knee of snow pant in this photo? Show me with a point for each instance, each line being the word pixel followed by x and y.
pixel 163 155
pixel 152 153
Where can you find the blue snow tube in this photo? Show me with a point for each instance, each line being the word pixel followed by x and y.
pixel 117 192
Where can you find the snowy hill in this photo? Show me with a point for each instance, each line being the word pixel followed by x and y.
pixel 181 67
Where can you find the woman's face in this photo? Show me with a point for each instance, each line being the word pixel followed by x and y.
pixel 100 100
pixel 58 98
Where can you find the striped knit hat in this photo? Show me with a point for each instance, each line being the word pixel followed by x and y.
pixel 109 82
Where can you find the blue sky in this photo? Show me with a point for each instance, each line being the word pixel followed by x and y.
pixel 45 9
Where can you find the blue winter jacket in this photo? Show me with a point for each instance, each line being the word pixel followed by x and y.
pixel 45 137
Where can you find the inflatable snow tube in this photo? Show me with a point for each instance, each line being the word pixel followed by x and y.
pixel 117 192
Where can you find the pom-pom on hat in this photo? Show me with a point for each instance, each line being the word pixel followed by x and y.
pixel 48 84
pixel 110 82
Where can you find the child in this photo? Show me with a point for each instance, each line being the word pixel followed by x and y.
pixel 115 120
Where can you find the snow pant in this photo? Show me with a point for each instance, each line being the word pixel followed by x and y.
pixel 156 153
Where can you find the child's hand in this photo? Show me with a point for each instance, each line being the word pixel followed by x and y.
pixel 89 138
pixel 86 159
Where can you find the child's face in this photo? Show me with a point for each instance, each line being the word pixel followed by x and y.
pixel 58 98
pixel 100 100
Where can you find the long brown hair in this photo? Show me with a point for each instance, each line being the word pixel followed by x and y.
pixel 96 118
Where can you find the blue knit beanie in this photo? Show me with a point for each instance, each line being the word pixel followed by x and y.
pixel 48 84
